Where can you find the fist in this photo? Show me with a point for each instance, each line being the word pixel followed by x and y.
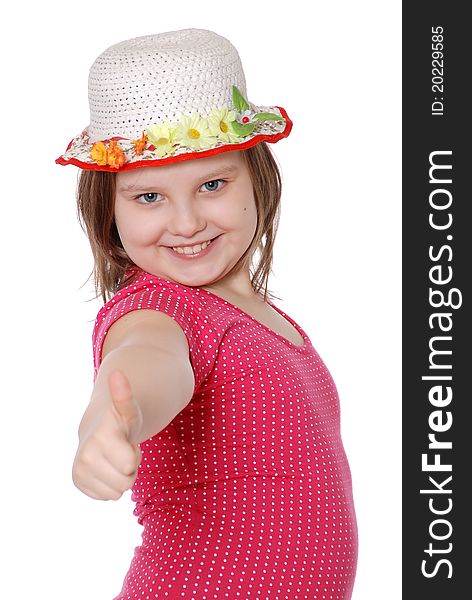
pixel 107 459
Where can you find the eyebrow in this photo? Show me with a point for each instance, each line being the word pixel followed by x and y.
pixel 224 170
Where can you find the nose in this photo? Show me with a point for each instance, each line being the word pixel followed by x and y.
pixel 186 219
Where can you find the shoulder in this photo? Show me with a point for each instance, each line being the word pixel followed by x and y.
pixel 147 291
pixel 149 311
pixel 147 327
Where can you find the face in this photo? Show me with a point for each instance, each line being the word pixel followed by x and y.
pixel 186 204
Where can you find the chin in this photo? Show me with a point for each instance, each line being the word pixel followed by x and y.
pixel 193 281
pixel 189 279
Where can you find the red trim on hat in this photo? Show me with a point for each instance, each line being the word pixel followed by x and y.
pixel 181 157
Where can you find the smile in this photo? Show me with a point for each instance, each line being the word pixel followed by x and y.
pixel 191 249
pixel 192 252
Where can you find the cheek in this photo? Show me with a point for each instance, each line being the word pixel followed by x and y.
pixel 136 231
pixel 249 213
pixel 242 220
pixel 239 212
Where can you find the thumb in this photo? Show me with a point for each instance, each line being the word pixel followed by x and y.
pixel 123 401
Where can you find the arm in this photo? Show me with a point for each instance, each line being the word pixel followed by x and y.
pixel 152 351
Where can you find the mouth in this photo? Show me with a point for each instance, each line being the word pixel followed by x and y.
pixel 192 252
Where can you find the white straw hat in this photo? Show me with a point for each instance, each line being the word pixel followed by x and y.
pixel 165 98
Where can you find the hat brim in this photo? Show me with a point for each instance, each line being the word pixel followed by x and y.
pixel 79 148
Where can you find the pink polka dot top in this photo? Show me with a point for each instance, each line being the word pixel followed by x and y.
pixel 247 493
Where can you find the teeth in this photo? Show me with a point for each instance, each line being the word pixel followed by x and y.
pixel 192 249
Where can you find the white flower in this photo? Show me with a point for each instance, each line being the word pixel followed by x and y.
pixel 246 117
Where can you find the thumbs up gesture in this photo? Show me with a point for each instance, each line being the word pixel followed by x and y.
pixel 127 410
pixel 108 456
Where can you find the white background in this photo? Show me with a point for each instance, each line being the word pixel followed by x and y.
pixel 335 68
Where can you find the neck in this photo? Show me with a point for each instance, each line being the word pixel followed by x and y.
pixel 237 284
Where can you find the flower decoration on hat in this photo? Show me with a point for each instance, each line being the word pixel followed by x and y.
pixel 140 144
pixel 189 133
pixel 99 153
pixel 162 137
pixel 116 157
pixel 219 123
pixel 247 117
pixel 111 155
pixel 192 132
pixel 247 120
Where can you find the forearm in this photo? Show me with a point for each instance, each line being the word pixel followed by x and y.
pixel 161 384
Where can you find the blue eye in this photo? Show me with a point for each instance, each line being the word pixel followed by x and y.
pixel 147 197
pixel 213 182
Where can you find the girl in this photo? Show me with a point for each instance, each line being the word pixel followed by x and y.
pixel 209 402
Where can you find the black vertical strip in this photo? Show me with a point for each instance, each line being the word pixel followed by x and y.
pixel 437 269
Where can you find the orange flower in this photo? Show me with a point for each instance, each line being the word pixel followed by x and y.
pixel 99 153
pixel 139 145
pixel 116 157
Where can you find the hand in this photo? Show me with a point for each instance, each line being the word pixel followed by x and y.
pixel 108 457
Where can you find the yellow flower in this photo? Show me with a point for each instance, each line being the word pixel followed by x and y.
pixel 192 132
pixel 116 157
pixel 162 138
pixel 99 153
pixel 219 124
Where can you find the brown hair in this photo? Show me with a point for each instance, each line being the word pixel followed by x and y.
pixel 95 211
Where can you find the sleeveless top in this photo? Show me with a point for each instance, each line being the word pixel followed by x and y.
pixel 247 493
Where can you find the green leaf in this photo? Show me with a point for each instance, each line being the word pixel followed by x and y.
pixel 242 130
pixel 267 117
pixel 240 104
